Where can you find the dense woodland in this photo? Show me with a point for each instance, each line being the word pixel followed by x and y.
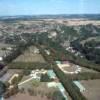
pixel 90 49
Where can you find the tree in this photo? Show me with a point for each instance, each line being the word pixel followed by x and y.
pixel 5 50
pixel 2 88
pixel 57 95
pixel 45 78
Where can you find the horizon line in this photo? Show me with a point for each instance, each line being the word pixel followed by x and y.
pixel 48 14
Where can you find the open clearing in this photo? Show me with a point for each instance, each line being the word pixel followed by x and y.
pixel 30 56
pixel 92 91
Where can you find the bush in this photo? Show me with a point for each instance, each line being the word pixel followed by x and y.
pixel 11 92
pixel 45 78
pixel 57 95
pixel 26 72
pixel 36 83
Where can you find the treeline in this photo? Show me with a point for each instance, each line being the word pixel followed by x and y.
pixel 84 76
pixel 29 65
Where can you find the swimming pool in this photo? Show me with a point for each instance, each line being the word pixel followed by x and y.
pixel 51 74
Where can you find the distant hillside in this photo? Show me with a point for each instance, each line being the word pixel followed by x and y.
pixel 58 16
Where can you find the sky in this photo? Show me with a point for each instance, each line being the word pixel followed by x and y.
pixel 39 7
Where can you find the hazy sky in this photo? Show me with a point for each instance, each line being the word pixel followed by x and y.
pixel 32 7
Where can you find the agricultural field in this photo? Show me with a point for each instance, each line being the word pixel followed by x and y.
pixel 30 55
pixel 92 89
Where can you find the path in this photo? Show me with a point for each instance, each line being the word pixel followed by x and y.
pixel 25 81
